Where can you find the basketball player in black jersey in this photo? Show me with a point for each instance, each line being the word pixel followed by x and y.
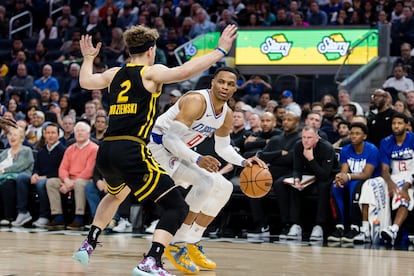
pixel 123 158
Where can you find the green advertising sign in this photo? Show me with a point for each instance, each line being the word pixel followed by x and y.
pixel 291 47
pixel 306 47
pixel 197 47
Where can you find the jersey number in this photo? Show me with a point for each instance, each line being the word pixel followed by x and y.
pixel 402 166
pixel 194 140
pixel 122 98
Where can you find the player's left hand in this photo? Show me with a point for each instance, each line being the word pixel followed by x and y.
pixel 249 162
pixel 209 163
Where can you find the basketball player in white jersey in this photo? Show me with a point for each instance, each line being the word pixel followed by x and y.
pixel 197 115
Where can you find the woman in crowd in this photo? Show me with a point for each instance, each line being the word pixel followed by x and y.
pixel 14 160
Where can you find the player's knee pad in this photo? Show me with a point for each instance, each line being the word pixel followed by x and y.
pixel 200 192
pixel 221 193
pixel 175 211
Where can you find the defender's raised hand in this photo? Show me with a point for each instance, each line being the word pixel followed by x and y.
pixel 87 48
pixel 227 37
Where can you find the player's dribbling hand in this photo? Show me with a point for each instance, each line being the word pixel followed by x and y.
pixel 209 163
pixel 249 162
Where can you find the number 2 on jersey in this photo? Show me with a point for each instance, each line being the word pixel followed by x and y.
pixel 122 98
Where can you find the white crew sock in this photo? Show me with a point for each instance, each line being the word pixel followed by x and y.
pixel 196 233
pixel 182 233
pixel 395 228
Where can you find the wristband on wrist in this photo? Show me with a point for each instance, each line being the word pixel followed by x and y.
pixel 89 55
pixel 198 159
pixel 349 176
pixel 223 51
pixel 243 163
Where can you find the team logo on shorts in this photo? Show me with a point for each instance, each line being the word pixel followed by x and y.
pixel 172 162
pixel 145 177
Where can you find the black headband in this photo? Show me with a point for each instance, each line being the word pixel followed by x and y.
pixel 142 48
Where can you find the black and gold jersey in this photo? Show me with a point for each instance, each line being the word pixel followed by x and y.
pixel 132 108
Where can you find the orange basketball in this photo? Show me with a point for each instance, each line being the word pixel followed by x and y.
pixel 255 182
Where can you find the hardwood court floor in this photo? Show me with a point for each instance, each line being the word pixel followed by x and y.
pixel 26 254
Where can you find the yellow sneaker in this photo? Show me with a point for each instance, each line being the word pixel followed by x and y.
pixel 198 257
pixel 178 256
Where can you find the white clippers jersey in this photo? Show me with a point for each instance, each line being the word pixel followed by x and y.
pixel 200 129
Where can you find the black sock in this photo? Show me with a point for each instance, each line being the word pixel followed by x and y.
pixel 156 251
pixel 93 235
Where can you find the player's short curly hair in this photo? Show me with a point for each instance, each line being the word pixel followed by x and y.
pixel 138 36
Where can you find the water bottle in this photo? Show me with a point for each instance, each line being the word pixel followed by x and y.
pixel 376 235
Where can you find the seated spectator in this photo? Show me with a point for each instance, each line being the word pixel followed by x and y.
pixel 34 130
pixel 254 123
pixel 261 107
pixel 289 104
pixel 253 89
pixel 349 112
pixel 402 107
pixel 258 140
pixel 46 81
pixel 21 83
pixel 46 166
pixel 126 18
pixel 278 153
pixel 90 112
pixel 399 81
pixel 202 24
pixel 74 54
pixel 397 167
pixel 343 132
pixel 226 19
pixel 68 126
pixel 315 120
pixel 345 98
pixel 312 156
pixel 14 160
pixel 282 18
pixel 316 16
pixel 49 31
pixel 14 107
pixel 406 60
pixel 99 128
pixel 359 162
pixel 116 46
pixel 75 171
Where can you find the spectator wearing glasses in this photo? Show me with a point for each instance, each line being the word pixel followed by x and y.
pixel 379 125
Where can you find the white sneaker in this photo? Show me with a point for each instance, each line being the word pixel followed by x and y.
pixel 4 222
pixel 388 235
pixel 22 219
pixel 124 226
pixel 150 229
pixel 317 233
pixel 362 237
pixel 41 222
pixel 295 232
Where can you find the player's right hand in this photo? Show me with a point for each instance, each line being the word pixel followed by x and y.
pixel 209 163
